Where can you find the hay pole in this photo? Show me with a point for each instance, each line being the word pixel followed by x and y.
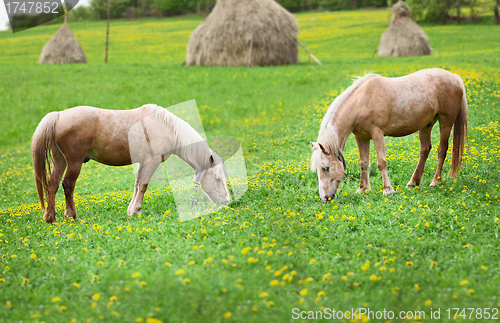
pixel 309 52
pixel 250 54
pixel 107 36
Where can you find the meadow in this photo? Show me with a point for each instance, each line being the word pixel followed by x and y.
pixel 277 248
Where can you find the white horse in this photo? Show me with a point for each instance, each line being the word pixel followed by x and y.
pixel 147 135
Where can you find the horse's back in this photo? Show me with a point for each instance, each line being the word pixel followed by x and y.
pixel 98 133
pixel 403 105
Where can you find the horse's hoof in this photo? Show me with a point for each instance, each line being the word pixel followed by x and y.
pixel 49 218
pixel 388 191
pixel 434 183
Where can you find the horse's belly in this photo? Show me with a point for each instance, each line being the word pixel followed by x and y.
pixel 119 156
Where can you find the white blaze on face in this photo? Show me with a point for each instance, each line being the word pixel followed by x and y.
pixel 321 189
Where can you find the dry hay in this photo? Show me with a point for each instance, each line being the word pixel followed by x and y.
pixel 403 37
pixel 248 33
pixel 63 48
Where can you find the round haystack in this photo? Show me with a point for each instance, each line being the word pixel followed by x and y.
pixel 248 33
pixel 63 48
pixel 403 37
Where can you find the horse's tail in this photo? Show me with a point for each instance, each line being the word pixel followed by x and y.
pixel 460 135
pixel 41 144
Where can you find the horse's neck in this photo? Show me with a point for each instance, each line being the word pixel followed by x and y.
pixel 195 154
pixel 343 129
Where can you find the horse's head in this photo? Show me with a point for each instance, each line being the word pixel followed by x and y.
pixel 330 168
pixel 213 180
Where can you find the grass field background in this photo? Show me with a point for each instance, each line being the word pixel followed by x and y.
pixel 277 248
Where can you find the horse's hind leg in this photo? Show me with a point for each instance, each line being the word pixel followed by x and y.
pixel 364 162
pixel 425 147
pixel 69 183
pixel 59 165
pixel 144 174
pixel 445 130
pixel 379 142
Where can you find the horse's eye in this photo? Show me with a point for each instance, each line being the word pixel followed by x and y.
pixel 326 169
pixel 217 179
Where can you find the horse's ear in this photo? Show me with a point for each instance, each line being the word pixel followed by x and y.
pixel 324 148
pixel 314 145
pixel 211 160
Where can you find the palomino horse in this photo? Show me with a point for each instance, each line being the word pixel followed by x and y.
pixel 374 107
pixel 76 135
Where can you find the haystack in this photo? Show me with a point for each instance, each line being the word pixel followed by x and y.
pixel 403 37
pixel 249 33
pixel 63 48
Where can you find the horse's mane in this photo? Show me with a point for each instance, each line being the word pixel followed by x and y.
pixel 327 133
pixel 188 141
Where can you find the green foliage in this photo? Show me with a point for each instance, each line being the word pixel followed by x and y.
pixel 117 8
pixel 446 10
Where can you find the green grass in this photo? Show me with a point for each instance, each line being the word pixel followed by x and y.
pixel 445 240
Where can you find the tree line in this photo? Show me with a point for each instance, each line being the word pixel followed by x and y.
pixel 423 10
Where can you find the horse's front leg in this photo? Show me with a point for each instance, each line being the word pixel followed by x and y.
pixel 379 142
pixel 144 174
pixel 424 135
pixel 364 162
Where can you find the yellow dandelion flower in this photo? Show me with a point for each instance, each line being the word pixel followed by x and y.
pixel 264 294
pixel 56 299
pixel 417 287
pixel 33 256
pixel 303 292
pixel 428 302
pixel 464 282
pixel 270 303
pixel 227 315
pixel 76 284
pixel 135 275
pixel 179 271
pixel 168 264
pixel 274 282
pixel 9 304
pixel 96 296
pixel 409 263
pixel 191 263
pixel 373 277
pixel 484 267
pixel 312 262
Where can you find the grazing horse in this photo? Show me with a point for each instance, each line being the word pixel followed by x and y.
pixel 76 135
pixel 374 107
